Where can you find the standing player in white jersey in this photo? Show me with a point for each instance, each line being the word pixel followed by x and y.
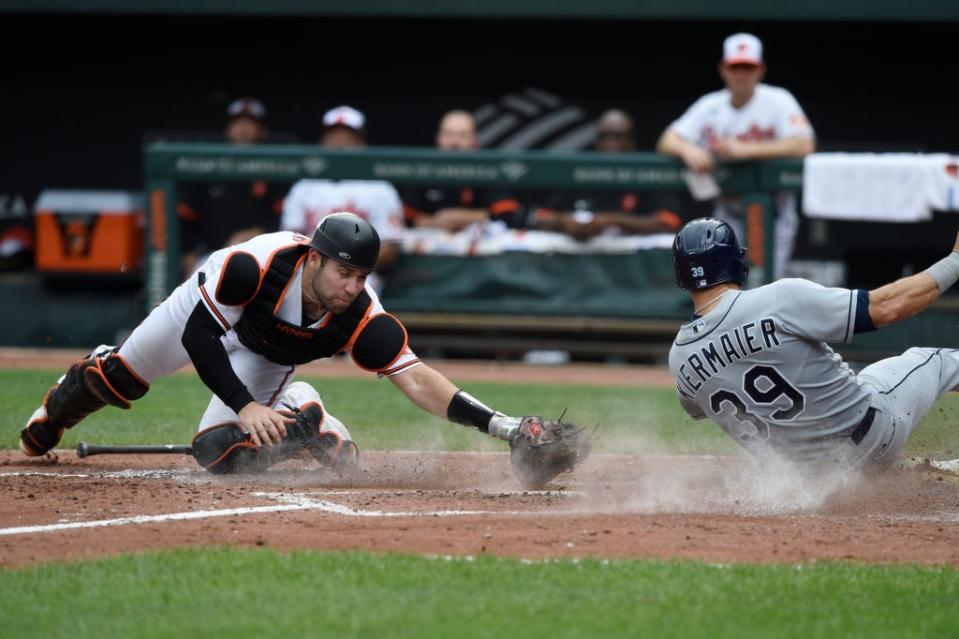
pixel 756 361
pixel 246 320
pixel 376 201
pixel 745 121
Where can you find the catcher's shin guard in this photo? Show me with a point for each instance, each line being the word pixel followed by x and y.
pixel 226 448
pixel 87 386
pixel 334 448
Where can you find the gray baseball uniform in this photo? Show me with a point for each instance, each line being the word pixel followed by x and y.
pixel 759 366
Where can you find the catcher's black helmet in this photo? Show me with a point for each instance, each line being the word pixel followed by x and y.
pixel 347 238
pixel 706 252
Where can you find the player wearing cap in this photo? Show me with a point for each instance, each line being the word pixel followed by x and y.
pixel 217 214
pixel 756 361
pixel 246 320
pixel 747 120
pixel 376 201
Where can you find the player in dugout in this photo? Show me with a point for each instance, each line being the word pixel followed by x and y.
pixel 453 208
pixel 249 316
pixel 757 363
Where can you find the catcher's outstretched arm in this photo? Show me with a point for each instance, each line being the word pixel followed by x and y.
pixel 430 390
pixel 540 450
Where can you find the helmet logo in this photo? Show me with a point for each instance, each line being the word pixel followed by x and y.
pixel 345 255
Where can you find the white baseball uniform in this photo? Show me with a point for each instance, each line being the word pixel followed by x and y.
pixel 376 201
pixel 772 114
pixel 154 349
pixel 759 366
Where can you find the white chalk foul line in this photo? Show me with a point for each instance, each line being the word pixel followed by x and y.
pixel 299 502
pixel 340 509
pixel 119 474
pixel 147 519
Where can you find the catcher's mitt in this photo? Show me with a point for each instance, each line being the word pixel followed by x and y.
pixel 542 449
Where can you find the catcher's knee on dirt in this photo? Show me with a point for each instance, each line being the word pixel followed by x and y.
pixel 87 386
pixel 226 448
pixel 325 437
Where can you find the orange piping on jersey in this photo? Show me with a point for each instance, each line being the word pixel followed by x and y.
pixel 259 281
pixel 406 342
pixel 282 386
pixel 210 305
pixel 504 207
pixel 400 368
pixel 184 211
pixel 299 264
pixel 669 218
pixel 325 320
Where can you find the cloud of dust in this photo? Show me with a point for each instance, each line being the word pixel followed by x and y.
pixel 736 484
pixel 425 465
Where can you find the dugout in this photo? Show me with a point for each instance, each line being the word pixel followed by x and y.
pixel 614 307
pixel 871 78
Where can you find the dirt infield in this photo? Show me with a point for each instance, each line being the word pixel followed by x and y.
pixel 707 508
pixel 615 506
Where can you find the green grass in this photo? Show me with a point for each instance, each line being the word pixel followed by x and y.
pixel 379 416
pixel 262 593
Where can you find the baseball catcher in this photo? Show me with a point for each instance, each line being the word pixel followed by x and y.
pixel 540 450
pixel 246 320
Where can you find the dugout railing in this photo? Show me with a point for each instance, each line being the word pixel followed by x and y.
pixel 640 333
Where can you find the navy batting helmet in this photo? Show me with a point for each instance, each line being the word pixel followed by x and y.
pixel 706 252
pixel 347 238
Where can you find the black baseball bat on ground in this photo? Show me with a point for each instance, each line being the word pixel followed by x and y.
pixel 85 450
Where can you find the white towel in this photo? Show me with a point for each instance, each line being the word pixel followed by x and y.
pixel 883 187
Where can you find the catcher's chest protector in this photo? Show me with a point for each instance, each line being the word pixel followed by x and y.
pixel 281 342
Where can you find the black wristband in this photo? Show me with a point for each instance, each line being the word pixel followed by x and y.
pixel 467 410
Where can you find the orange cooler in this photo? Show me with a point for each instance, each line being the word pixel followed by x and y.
pixel 89 231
